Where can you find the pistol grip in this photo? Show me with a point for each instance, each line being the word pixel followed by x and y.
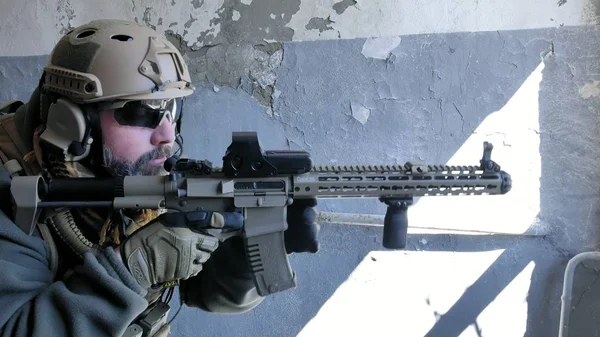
pixel 269 263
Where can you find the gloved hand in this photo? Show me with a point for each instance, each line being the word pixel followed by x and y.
pixel 175 245
pixel 302 233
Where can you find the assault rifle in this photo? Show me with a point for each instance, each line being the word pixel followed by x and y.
pixel 254 188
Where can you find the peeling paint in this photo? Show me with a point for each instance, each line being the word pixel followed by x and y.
pixel 264 73
pixel 235 15
pixel 197 3
pixel 590 90
pixel 591 12
pixel 384 91
pixel 340 7
pixel 596 5
pixel 194 19
pixel 147 19
pixel 189 22
pixel 319 24
pixel 360 112
pixel 276 94
pixel 246 52
pixel 386 18
pixel 255 22
pixel 249 67
pixel 286 20
pixel 67 14
pixel 381 47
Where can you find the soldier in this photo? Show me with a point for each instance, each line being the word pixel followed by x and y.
pixel 109 103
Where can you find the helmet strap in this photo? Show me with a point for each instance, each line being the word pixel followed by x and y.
pixel 178 137
pixel 95 159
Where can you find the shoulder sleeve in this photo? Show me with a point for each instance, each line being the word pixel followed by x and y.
pixel 98 297
pixel 225 284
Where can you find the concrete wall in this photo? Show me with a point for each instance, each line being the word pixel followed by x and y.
pixel 384 82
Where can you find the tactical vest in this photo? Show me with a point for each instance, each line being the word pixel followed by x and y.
pixel 13 153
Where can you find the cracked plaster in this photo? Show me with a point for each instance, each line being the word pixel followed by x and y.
pixel 246 53
pixel 202 23
pixel 387 18
pixel 224 41
pixel 199 23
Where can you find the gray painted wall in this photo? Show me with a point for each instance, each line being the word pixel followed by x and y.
pixel 358 83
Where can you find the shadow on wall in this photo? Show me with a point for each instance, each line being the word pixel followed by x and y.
pixel 568 148
pixel 424 295
pixel 426 103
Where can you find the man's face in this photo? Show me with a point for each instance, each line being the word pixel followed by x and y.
pixel 132 150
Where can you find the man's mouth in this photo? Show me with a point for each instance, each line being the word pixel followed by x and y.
pixel 158 161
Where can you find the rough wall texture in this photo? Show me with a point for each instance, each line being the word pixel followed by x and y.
pixel 366 83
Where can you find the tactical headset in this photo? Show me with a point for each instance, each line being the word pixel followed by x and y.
pixel 74 129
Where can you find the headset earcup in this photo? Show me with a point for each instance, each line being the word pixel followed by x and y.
pixel 67 130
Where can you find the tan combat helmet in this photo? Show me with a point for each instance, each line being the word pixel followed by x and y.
pixel 107 60
pixel 103 65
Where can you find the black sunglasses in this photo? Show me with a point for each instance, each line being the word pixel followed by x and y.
pixel 148 113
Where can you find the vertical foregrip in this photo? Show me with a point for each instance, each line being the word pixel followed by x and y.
pixel 269 263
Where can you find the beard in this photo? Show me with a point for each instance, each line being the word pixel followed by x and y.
pixel 119 167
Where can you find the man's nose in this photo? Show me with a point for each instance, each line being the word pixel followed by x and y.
pixel 163 134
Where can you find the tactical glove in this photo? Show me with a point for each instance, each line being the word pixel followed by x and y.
pixel 175 245
pixel 303 230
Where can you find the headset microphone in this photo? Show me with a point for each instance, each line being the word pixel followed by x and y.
pixel 172 161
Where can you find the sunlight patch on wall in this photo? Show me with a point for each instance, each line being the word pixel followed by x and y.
pixel 403 293
pixel 515 133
